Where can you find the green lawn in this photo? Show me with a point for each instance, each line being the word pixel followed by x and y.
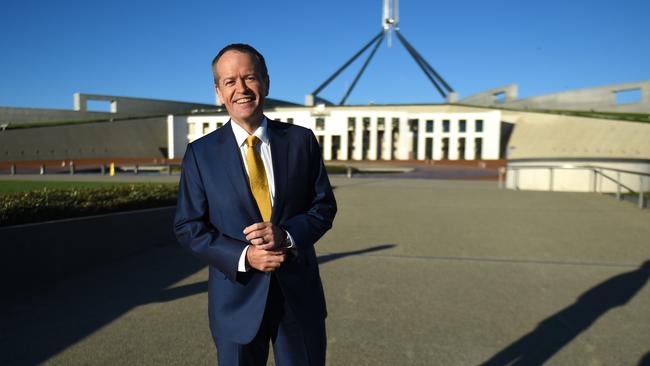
pixel 23 202
pixel 23 186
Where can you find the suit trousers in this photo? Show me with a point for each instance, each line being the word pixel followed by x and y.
pixel 292 346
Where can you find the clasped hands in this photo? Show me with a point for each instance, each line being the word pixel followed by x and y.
pixel 265 252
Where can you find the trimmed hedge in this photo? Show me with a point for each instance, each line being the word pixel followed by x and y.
pixel 54 204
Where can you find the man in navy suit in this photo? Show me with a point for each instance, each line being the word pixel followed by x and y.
pixel 254 198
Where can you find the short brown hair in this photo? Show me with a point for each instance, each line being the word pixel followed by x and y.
pixel 244 48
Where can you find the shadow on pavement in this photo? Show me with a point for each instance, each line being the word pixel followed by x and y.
pixel 37 324
pixel 558 330
pixel 645 360
pixel 334 256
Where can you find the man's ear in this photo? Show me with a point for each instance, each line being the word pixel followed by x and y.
pixel 216 89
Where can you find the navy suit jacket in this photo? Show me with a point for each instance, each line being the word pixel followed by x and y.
pixel 215 204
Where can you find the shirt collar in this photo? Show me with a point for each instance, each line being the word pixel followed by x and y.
pixel 261 132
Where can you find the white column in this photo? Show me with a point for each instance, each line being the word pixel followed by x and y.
pixel 358 139
pixel 373 139
pixel 404 139
pixel 453 147
pixel 421 141
pixel 437 145
pixel 344 145
pixel 327 148
pixel 469 147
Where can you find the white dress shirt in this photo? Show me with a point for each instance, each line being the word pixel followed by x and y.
pixel 264 150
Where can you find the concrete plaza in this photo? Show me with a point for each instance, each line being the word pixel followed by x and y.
pixel 416 272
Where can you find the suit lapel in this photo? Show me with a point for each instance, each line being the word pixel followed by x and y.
pixel 233 165
pixel 279 155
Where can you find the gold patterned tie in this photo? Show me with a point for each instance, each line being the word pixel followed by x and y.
pixel 257 178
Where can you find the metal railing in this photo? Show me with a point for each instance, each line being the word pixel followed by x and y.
pixel 73 167
pixel 595 171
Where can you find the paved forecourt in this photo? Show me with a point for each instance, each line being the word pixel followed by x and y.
pixel 416 272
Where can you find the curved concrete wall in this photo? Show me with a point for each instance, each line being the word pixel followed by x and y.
pixel 490 97
pixel 577 175
pixel 551 136
pixel 601 99
pixel 596 99
pixel 133 138
pixel 565 148
pixel 138 106
pixel 18 116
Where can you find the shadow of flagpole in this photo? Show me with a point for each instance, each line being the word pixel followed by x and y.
pixel 561 328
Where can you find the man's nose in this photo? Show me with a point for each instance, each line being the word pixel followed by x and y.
pixel 240 85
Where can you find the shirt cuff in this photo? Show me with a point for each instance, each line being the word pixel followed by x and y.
pixel 243 267
pixel 291 245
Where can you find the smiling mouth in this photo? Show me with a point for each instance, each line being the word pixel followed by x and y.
pixel 244 100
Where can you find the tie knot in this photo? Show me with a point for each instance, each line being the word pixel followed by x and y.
pixel 252 140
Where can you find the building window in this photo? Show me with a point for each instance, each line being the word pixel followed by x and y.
pixel 461 148
pixel 429 125
pixel 413 124
pixel 206 127
pixel 478 148
pixel 366 123
pixel 428 149
pixel 381 123
pixel 320 124
pixel 462 125
pixel 352 122
pixel 500 98
pixel 219 124
pixel 290 120
pixel 445 125
pixel 479 125
pixel 395 123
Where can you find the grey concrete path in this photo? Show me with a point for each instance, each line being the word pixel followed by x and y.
pixel 416 272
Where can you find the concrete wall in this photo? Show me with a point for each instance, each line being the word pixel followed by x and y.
pixel 601 99
pixel 578 175
pixel 489 97
pixel 552 136
pixel 133 138
pixel 120 107
pixel 17 116
pixel 597 99
pixel 35 254
pixel 138 106
pixel 547 151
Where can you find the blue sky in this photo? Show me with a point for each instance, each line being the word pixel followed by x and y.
pixel 162 49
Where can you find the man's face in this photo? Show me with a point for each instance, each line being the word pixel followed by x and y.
pixel 241 86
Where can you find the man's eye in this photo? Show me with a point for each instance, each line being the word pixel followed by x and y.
pixel 229 83
pixel 251 78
